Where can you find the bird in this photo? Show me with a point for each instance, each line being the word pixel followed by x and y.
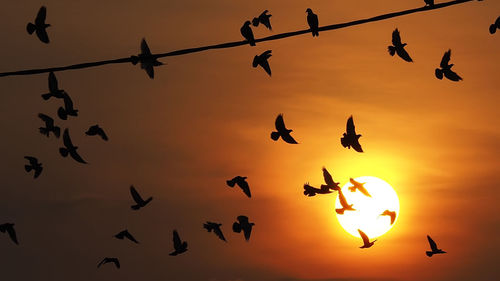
pixel 434 249
pixel 495 26
pixel 147 60
pixel 49 126
pixel 243 224
pixel 54 90
pixel 282 131
pixel 366 240
pixel 263 19
pixel 350 138
pixel 398 48
pixel 179 246
pixel 96 130
pixel 68 109
pixel 215 227
pixel 429 3
pixel 359 186
pixel 343 202
pixel 139 202
pixel 125 234
pixel 70 148
pixel 107 260
pixel 262 60
pixel 34 165
pixel 242 183
pixel 312 20
pixel 39 26
pixel 445 68
pixel 330 184
pixel 312 191
pixel 392 214
pixel 9 227
pixel 247 32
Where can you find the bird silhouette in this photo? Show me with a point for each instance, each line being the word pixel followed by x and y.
pixel 34 165
pixel 263 19
pixel 429 3
pixel 9 227
pixel 68 109
pixel 359 186
pixel 39 26
pixel 125 234
pixel 392 214
pixel 242 183
pixel 147 60
pixel 49 126
pixel 243 224
pixel 312 20
pixel 350 138
pixel 330 184
pixel 366 240
pixel 179 246
pixel 434 249
pixel 398 47
pixel 215 227
pixel 262 60
pixel 54 90
pixel 312 191
pixel 495 26
pixel 139 202
pixel 96 130
pixel 108 260
pixel 69 148
pixel 343 202
pixel 282 131
pixel 445 68
pixel 247 32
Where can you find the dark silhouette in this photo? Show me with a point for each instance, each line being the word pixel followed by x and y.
pixel 242 183
pixel 398 47
pixel 313 22
pixel 282 131
pixel 215 227
pixel 39 26
pixel 429 3
pixel 244 225
pixel 350 138
pixel 96 131
pixel 49 126
pixel 68 109
pixel 392 214
pixel 70 148
pixel 247 32
pixel 495 26
pixel 434 249
pixel 9 227
pixel 179 246
pixel 54 90
pixel 107 260
pixel 34 165
pixel 125 234
pixel 139 202
pixel 312 191
pixel 262 60
pixel 446 69
pixel 366 240
pixel 329 181
pixel 359 186
pixel 343 202
pixel 263 19
pixel 147 60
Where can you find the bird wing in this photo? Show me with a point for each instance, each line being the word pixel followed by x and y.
pixel 247 231
pixel 45 118
pixel 446 59
pixel 53 87
pixel 342 200
pixel 41 33
pixel 66 139
pixel 101 133
pixel 116 262
pixel 288 138
pixel 177 240
pixel 453 76
pixel 328 178
pixel 402 53
pixel 365 238
pixel 77 156
pixel 245 187
pixel 130 237
pixel 150 71
pixel 32 160
pixel 363 190
pixel 135 195
pixel 356 146
pixel 219 233
pixel 38 172
pixel 396 38
pixel 350 129
pixel 68 102
pixel 266 54
pixel 432 244
pixel 265 65
pixel 40 17
pixel 102 262
pixel 393 216
pixel 12 234
pixel 280 123
pixel 145 48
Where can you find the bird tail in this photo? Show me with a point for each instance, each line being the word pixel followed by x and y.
pixel 57 131
pixel 236 227
pixel 429 253
pixel 439 74
pixel 252 42
pixel 63 151
pixel 44 131
pixel 46 96
pixel 28 168
pixel 493 29
pixel 392 50
pixel 61 112
pixel 30 28
pixel 255 22
pixel 315 33
pixel 231 183
pixel 275 136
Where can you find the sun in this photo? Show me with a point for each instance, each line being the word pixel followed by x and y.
pixel 368 210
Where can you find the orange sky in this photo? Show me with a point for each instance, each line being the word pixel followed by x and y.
pixel 207 117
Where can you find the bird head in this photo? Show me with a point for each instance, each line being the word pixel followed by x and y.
pixel 247 23
pixel 309 10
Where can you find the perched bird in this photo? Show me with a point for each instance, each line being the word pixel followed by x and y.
pixel 495 26
pixel 247 32
pixel 429 3
pixel 179 246
pixel 70 148
pixel 244 225
pixel 350 138
pixel 39 26
pixel 434 249
pixel 9 227
pixel 263 19
pixel 312 20
pixel 343 202
pixel 96 130
pixel 262 60
pixel 49 126
pixel 330 184
pixel 54 90
pixel 398 47
pixel 366 240
pixel 147 60
pixel 107 260
pixel 139 202
pixel 68 109
pixel 34 165
pixel 446 69
pixel 359 186
pixel 242 183
pixel 312 191
pixel 215 227
pixel 125 234
pixel 282 131
pixel 392 214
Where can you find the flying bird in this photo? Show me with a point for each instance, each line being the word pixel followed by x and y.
pixel 312 20
pixel 330 184
pixel 350 138
pixel 392 214
pixel 9 227
pixel 445 68
pixel 263 19
pixel 434 249
pixel 69 148
pixel 96 131
pixel 262 60
pixel 39 26
pixel 429 3
pixel 215 227
pixel 49 126
pixel 242 183
pixel 343 202
pixel 282 131
pixel 179 246
pixel 108 260
pixel 495 26
pixel 312 191
pixel 247 32
pixel 54 90
pixel 147 60
pixel 398 47
pixel 359 186
pixel 125 234
pixel 366 240
pixel 34 165
pixel 243 224
pixel 138 199
pixel 68 109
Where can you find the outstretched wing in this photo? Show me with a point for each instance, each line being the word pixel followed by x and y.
pixel 396 38
pixel 77 156
pixel 288 138
pixel 12 234
pixel 453 76
pixel 135 195
pixel 342 199
pixel 45 118
pixel 130 237
pixel 219 233
pixel 245 187
pixel 144 48
pixel 66 139
pixel 40 17
pixel 247 232
pixel 266 67
pixel 350 129
pixel 310 191
pixel 402 53
pixel 32 160
pixel 446 59
pixel 356 146
pixel 53 87
pixel 41 33
pixel 432 244
pixel 365 238
pixel 177 240
pixel 328 178
pixel 280 123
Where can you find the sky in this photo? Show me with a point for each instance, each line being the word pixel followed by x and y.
pixel 206 117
